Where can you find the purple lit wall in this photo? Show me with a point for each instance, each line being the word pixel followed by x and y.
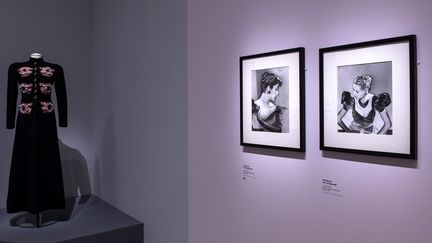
pixel 381 199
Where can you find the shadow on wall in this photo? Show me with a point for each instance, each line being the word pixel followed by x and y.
pixel 76 178
pixel 275 152
pixel 370 159
pixel 105 167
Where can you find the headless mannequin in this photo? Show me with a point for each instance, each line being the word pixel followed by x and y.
pixel 38 220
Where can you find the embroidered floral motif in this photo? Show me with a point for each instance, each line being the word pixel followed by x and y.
pixel 25 71
pixel 47 71
pixel 46 88
pixel 26 88
pixel 25 108
pixel 47 107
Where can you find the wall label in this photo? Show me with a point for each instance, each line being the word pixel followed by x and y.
pixel 248 172
pixel 331 187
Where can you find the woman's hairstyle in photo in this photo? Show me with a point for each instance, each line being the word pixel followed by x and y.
pixel 269 79
pixel 364 81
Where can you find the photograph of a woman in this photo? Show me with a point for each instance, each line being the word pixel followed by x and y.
pixel 368 97
pixel 269 108
pixel 272 100
pixel 361 110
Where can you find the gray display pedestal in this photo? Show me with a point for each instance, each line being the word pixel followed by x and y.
pixel 85 220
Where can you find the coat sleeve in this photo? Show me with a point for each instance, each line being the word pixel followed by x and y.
pixel 382 101
pixel 347 100
pixel 12 95
pixel 60 88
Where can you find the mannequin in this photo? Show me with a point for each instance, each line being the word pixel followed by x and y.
pixel 36 181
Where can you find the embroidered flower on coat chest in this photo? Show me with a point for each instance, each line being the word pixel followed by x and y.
pixel 25 108
pixel 25 71
pixel 26 88
pixel 46 88
pixel 47 71
pixel 47 107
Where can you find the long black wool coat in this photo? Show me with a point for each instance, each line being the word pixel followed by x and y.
pixel 35 181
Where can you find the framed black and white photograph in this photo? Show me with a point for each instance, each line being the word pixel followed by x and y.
pixel 272 100
pixel 368 97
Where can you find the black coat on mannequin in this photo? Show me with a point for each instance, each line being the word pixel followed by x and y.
pixel 35 181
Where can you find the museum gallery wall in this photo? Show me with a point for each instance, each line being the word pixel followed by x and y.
pixel 255 193
pixel 237 193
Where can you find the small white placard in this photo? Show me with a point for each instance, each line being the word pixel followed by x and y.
pixel 248 172
pixel 331 187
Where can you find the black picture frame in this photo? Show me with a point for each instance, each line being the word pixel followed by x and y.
pixel 386 65
pixel 274 118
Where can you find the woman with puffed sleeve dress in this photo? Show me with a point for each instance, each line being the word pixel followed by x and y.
pixel 364 106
